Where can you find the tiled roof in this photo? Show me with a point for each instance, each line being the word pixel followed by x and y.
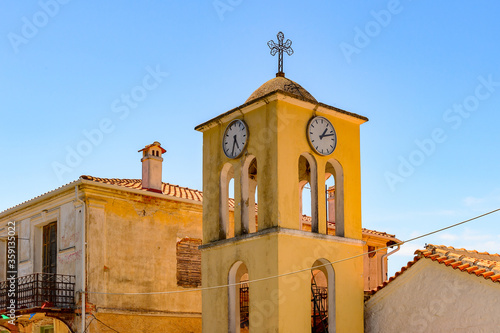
pixel 167 189
pixel 482 264
pixel 331 225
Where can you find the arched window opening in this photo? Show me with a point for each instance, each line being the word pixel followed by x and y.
pixel 322 297
pixel 249 195
pixel 334 184
pixel 226 196
pixel 256 198
pixel 305 205
pixel 308 193
pixel 330 203
pixel 238 297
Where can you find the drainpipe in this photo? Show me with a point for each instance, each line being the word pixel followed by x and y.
pixel 83 259
pixel 384 267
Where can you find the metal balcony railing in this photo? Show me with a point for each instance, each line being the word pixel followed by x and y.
pixel 39 290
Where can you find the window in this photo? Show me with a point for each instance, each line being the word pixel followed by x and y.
pixel 189 263
pixel 47 329
pixel 335 201
pixel 239 299
pixel 322 297
pixel 49 263
pixel 226 177
pixel 308 179
pixel 249 196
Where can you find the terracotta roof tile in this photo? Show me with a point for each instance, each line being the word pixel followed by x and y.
pixel 464 261
pixel 495 277
pixel 167 188
pixel 481 264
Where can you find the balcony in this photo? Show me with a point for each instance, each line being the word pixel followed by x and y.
pixel 38 292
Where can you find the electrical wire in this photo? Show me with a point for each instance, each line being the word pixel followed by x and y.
pixel 88 325
pixel 300 270
pixel 111 328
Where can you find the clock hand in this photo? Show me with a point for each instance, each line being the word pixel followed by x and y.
pixel 323 135
pixel 331 134
pixel 234 143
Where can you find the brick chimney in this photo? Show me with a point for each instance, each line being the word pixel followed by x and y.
pixel 151 167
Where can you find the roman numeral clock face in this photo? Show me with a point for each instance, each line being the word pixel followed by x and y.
pixel 235 138
pixel 321 135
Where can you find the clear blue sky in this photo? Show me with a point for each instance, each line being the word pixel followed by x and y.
pixel 426 74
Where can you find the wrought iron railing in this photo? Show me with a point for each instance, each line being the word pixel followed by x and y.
pixel 244 307
pixel 319 305
pixel 39 290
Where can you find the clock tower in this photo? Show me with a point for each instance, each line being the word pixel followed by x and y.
pixel 280 139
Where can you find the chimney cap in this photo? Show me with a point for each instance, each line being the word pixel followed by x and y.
pixel 157 144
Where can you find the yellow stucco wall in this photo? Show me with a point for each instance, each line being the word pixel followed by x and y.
pixel 142 324
pixel 131 247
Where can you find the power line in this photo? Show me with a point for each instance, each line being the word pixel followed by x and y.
pixel 300 270
pixel 88 325
pixel 111 328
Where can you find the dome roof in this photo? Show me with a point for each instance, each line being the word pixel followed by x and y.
pixel 283 84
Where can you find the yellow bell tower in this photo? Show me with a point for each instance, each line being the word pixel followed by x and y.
pixel 280 139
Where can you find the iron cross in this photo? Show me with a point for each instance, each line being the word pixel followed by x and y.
pixel 279 48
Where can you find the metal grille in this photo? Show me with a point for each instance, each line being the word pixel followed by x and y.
pixel 244 308
pixel 40 290
pixel 319 305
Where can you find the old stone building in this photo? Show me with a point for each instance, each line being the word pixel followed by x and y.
pixel 141 235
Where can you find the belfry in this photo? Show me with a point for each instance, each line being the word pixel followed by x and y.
pixel 271 146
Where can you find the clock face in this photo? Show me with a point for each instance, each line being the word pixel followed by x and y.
pixel 321 135
pixel 235 138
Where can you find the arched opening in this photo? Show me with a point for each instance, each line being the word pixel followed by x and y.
pixel 334 184
pixel 226 178
pixel 322 297
pixel 308 203
pixel 330 203
pixel 256 198
pixel 305 205
pixel 249 195
pixel 238 297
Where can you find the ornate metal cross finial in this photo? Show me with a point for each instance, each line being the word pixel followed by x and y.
pixel 279 48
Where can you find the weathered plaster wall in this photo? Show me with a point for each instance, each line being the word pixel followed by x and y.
pixel 146 324
pixel 430 297
pixel 131 242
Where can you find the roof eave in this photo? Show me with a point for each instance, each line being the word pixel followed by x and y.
pixel 40 198
pixel 274 95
